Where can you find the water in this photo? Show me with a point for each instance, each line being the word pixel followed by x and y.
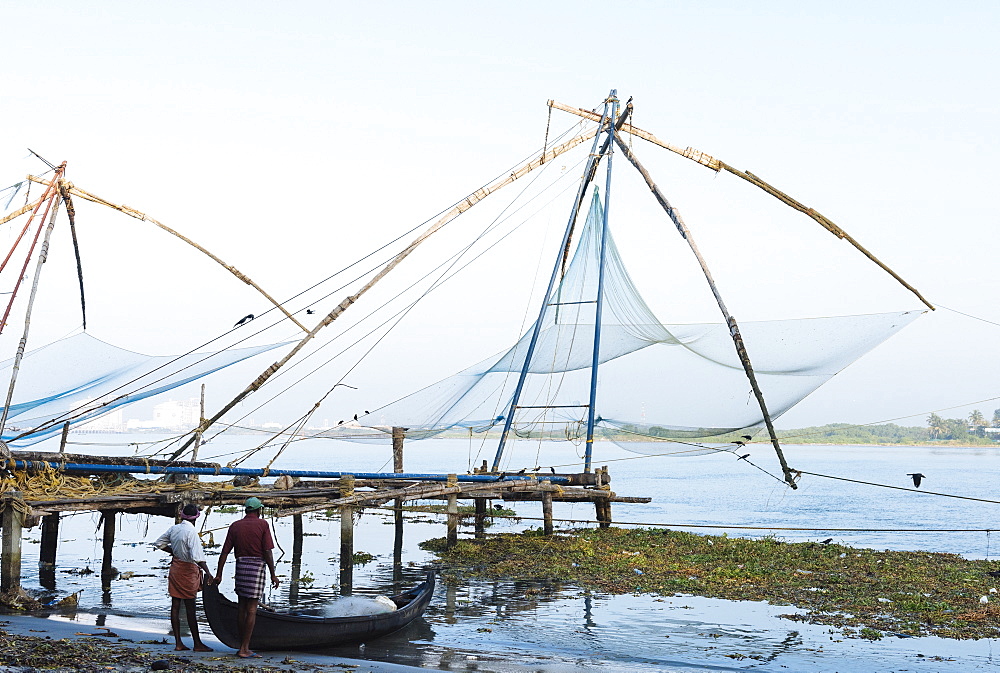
pixel 504 626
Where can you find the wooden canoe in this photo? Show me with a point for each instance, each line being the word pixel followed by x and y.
pixel 291 631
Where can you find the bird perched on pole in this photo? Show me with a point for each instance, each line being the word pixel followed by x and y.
pixel 916 478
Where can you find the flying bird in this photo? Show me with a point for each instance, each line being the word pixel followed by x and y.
pixel 916 478
pixel 244 320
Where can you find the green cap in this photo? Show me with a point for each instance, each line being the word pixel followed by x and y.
pixel 253 503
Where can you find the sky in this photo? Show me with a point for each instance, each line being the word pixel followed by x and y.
pixel 292 139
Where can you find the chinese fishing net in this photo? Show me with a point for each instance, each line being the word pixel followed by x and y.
pixel 81 377
pixel 656 381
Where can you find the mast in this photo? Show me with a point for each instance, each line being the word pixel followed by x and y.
pixel 592 407
pixel 53 206
pixel 588 173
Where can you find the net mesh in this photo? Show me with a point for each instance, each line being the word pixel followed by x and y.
pixel 657 381
pixel 82 377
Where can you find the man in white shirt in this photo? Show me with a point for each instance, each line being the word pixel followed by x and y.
pixel 184 582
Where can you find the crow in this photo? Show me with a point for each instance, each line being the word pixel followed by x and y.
pixel 522 470
pixel 747 437
pixel 916 478
pixel 739 443
pixel 340 423
pixel 367 412
pixel 553 470
pixel 744 456
pixel 309 311
pixel 827 540
pixel 244 320
pixel 355 417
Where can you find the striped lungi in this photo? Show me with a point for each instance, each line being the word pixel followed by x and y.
pixel 184 580
pixel 250 577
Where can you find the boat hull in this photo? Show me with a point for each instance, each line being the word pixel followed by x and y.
pixel 277 631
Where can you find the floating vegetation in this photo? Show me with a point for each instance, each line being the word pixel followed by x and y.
pixel 864 592
pixel 361 558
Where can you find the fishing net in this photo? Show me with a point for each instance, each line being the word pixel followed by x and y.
pixel 656 381
pixel 81 377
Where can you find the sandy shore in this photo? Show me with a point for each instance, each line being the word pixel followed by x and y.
pixel 117 638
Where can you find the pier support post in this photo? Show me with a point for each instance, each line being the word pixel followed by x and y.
pixel 293 586
pixel 452 513
pixel 346 538
pixel 398 435
pixel 47 552
pixel 108 571
pixel 10 549
pixel 547 510
pixel 480 517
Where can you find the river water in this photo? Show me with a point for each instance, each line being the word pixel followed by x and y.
pixel 507 626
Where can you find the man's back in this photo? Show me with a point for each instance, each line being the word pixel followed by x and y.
pixel 250 536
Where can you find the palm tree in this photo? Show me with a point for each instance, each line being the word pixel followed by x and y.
pixel 937 426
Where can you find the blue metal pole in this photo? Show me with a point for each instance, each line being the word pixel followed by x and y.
pixel 257 472
pixel 592 408
pixel 545 300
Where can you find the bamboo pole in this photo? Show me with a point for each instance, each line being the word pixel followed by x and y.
pixel 716 165
pixel 64 188
pixel 21 211
pixel 464 205
pixel 43 253
pixel 734 329
pixel 139 215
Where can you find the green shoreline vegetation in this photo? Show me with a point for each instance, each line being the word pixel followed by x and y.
pixel 860 592
pixel 954 432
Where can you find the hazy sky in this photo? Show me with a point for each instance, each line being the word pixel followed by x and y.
pixel 293 138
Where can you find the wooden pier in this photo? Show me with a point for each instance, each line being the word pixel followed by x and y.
pixel 287 497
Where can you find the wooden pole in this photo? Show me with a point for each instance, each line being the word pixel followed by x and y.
pixel 547 512
pixel 10 549
pixel 480 517
pixel 293 587
pixel 65 438
pixel 48 550
pixel 398 434
pixel 734 329
pixel 107 563
pixel 50 540
pixel 346 538
pixel 452 513
pixel 43 254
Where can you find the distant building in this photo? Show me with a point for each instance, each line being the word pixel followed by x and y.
pixel 172 415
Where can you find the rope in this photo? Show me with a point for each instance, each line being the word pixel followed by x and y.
pixel 900 488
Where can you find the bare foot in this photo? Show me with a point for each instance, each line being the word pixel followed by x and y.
pixel 180 646
pixel 201 647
